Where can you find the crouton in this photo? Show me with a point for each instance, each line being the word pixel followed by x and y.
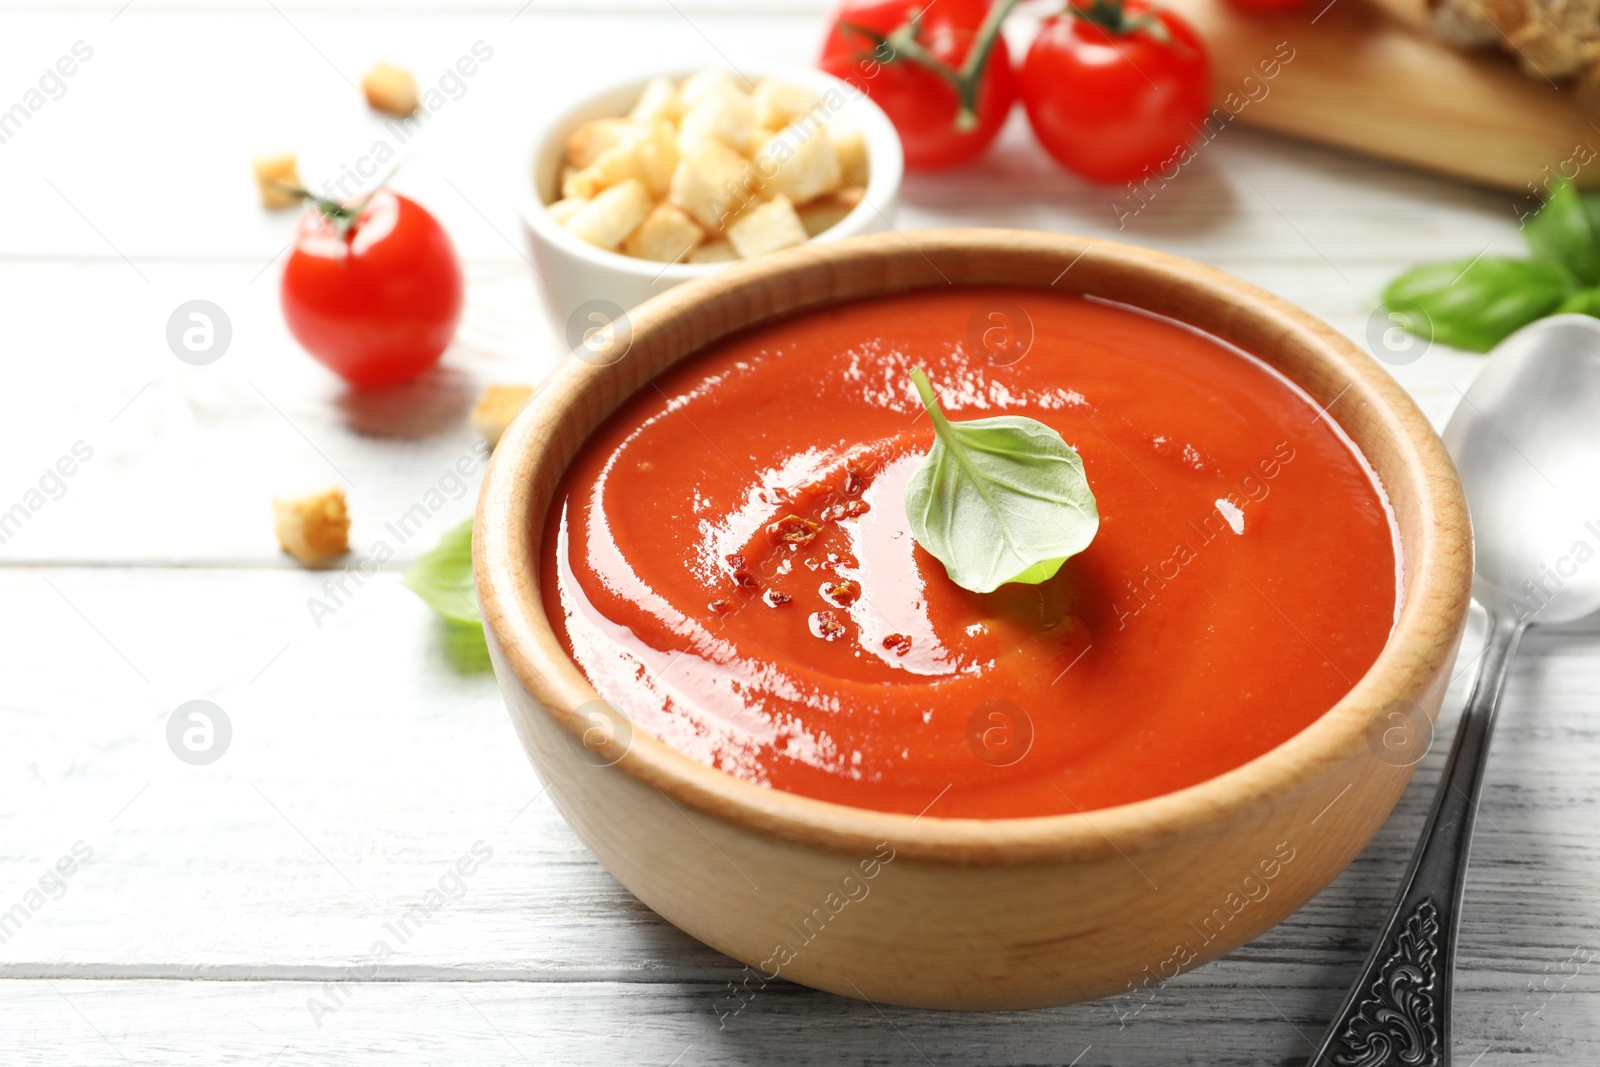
pixel 778 103
pixel 666 235
pixel 562 210
pixel 585 143
pixel 714 252
pixel 850 146
pixel 658 103
pixel 313 529
pixel 724 113
pixel 655 157
pixel 495 409
pixel 609 218
pixel 648 154
pixel 390 89
pixel 713 183
pixel 800 162
pixel 699 84
pixel 706 153
pixel 766 228
pixel 275 177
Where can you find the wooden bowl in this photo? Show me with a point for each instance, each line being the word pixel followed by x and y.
pixel 967 913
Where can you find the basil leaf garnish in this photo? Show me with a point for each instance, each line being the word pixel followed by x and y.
pixel 1476 304
pixel 998 500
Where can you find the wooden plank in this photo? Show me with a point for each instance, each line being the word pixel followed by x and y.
pixel 363 766
pixel 348 791
pixel 181 1023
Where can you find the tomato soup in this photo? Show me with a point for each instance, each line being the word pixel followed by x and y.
pixel 728 560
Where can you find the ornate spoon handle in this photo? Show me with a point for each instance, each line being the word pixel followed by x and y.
pixel 1398 1012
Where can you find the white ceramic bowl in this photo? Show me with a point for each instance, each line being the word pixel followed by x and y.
pixel 572 272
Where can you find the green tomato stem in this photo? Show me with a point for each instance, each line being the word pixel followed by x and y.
pixel 905 43
pixel 342 216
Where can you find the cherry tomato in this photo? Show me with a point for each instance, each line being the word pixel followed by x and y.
pixel 923 106
pixel 1115 103
pixel 374 296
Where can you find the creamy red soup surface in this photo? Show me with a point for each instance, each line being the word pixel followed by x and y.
pixel 1243 577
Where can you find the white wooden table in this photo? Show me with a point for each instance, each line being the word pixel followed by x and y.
pixel 228 913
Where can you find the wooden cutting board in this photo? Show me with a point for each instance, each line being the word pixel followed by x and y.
pixel 1366 75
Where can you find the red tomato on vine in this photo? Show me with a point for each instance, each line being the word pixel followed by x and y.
pixel 1116 89
pixel 940 71
pixel 373 290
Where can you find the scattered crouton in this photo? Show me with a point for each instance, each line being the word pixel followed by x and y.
pixel 495 409
pixel 313 529
pixel 276 176
pixel 609 218
pixel 767 228
pixel 714 252
pixel 666 236
pixel 390 89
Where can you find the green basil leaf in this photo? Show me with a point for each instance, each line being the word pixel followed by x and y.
pixel 1564 232
pixel 1583 302
pixel 442 577
pixel 1476 304
pixel 998 500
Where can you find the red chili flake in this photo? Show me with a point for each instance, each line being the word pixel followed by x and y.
pixel 826 625
pixel 793 531
pixel 899 644
pixel 773 598
pixel 843 593
pixel 719 608
pixel 740 575
pixel 850 509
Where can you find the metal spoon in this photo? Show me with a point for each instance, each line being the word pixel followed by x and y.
pixel 1526 443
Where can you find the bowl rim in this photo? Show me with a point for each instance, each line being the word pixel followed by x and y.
pixel 885 170
pixel 1433 608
